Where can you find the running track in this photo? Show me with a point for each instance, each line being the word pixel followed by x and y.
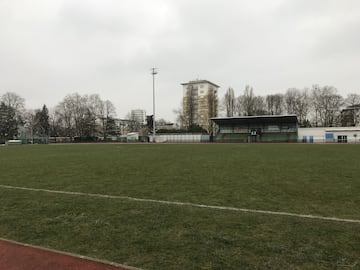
pixel 18 256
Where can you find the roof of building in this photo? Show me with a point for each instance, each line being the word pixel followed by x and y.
pixel 352 107
pixel 255 119
pixel 200 81
pixel 342 129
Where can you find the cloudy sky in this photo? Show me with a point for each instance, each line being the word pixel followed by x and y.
pixel 49 49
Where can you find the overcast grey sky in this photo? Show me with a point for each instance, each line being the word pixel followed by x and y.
pixel 52 48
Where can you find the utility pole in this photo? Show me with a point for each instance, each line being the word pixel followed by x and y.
pixel 153 73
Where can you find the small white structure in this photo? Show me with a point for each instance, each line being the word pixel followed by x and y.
pixel 132 137
pixel 329 135
pixel 182 138
pixel 14 142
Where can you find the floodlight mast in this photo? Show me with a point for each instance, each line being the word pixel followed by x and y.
pixel 153 73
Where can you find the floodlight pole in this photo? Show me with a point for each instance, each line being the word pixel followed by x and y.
pixel 153 73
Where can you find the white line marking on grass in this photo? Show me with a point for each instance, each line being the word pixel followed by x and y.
pixel 185 204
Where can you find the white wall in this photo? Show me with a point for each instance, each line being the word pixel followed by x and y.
pixel 182 138
pixel 318 134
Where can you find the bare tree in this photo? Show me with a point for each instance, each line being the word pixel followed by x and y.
pixel 64 114
pixel 352 99
pixel 327 104
pixel 229 102
pixel 107 118
pixel 297 102
pixel 212 102
pixel 78 111
pixel 248 100
pixel 180 119
pixel 84 116
pixel 30 123
pixel 14 101
pixel 270 104
pixel 17 103
pixel 238 106
pixel 259 106
pixel 105 112
pixel 190 106
pixel 274 104
pixel 86 113
pixel 304 107
pixel 56 128
pixel 291 96
pixel 353 102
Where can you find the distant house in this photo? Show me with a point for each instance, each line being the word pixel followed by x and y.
pixel 350 116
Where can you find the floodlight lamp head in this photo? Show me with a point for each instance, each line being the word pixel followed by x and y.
pixel 154 71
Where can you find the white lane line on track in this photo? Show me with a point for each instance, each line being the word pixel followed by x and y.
pixel 247 210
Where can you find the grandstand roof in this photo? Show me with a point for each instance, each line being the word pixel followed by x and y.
pixel 255 119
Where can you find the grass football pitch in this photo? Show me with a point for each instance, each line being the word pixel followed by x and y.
pixel 320 180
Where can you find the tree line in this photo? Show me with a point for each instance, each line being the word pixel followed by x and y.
pixel 88 116
pixel 76 116
pixel 314 107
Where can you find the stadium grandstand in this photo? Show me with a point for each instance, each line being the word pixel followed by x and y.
pixel 264 128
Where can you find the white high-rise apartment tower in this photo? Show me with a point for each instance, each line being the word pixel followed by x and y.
pixel 139 116
pixel 200 103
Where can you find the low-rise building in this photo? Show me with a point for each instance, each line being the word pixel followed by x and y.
pixel 350 116
pixel 329 135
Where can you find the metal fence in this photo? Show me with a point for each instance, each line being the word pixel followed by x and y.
pixel 182 138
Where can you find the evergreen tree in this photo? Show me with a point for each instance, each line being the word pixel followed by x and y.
pixel 42 122
pixel 8 122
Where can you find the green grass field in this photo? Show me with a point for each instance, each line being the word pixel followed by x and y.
pixel 320 180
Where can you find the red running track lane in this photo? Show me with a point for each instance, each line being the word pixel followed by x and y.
pixel 17 256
